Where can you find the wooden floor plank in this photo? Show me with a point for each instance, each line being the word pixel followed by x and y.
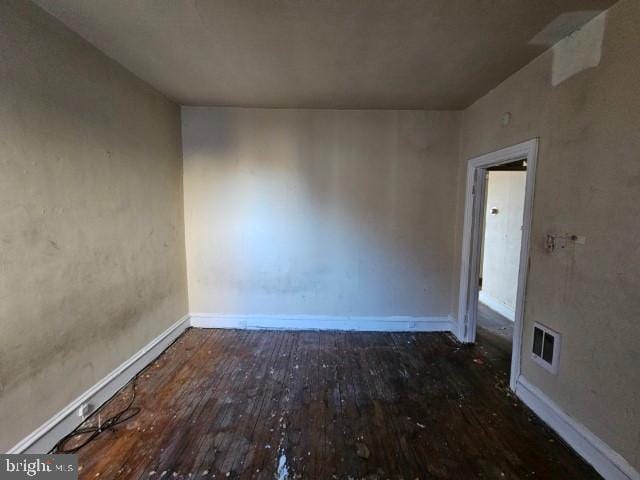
pixel 235 404
pixel 172 367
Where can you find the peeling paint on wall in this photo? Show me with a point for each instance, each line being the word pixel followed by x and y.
pixel 579 51
pixel 561 27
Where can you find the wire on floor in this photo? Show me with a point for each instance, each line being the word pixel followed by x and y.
pixel 93 432
pixel 112 422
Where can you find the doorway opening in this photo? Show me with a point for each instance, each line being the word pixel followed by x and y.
pixel 500 241
pixel 495 250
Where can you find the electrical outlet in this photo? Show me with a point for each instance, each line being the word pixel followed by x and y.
pixel 550 243
pixel 84 410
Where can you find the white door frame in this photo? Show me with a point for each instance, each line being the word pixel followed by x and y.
pixel 471 242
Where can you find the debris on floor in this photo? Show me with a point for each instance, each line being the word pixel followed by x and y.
pixel 362 450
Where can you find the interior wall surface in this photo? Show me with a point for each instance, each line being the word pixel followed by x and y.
pixel 320 212
pixel 582 99
pixel 91 217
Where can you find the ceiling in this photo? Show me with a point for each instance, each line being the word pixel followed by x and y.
pixel 428 54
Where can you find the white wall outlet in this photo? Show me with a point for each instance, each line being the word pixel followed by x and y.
pixel 84 410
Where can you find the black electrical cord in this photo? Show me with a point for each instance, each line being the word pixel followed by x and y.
pixel 93 432
pixel 122 416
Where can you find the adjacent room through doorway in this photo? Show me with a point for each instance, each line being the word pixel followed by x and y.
pixel 504 195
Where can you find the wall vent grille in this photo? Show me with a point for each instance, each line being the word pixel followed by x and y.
pixel 546 347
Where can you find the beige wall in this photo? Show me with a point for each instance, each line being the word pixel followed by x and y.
pixel 587 183
pixel 91 231
pixel 319 212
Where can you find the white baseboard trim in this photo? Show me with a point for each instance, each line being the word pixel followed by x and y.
pixel 66 420
pixel 606 461
pixel 497 306
pixel 323 322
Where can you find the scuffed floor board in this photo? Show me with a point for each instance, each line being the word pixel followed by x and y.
pixel 275 404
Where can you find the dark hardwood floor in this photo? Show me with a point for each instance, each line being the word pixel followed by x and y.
pixel 495 331
pixel 327 405
pixel 494 322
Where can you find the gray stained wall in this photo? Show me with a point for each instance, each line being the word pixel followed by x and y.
pixel 91 219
